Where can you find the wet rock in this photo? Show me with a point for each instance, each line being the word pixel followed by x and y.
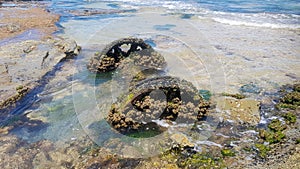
pixel 290 118
pixel 240 111
pixel 111 56
pixel 237 95
pixel 262 149
pixel 12 28
pixel 291 99
pixel 276 125
pixel 27 69
pixel 4 130
pixel 16 20
pixel 12 99
pixel 227 152
pixel 250 88
pixel 89 12
pixel 182 140
pixel 69 47
pixel 14 156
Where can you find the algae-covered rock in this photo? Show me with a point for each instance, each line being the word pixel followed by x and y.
pixel 276 125
pixel 291 100
pixel 111 56
pixel 201 161
pixel 272 137
pixel 227 152
pixel 262 149
pixel 237 95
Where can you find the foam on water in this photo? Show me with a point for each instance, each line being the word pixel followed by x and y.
pixel 254 13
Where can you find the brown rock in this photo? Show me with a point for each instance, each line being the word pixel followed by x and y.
pixel 242 111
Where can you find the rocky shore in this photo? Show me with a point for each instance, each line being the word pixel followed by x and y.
pixel 28 49
pixel 249 132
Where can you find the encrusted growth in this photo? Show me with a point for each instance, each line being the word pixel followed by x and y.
pixel 164 98
pixel 111 56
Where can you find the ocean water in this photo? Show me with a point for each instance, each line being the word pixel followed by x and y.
pixel 260 13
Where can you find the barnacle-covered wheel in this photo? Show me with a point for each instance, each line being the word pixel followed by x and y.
pixel 161 98
pixel 111 56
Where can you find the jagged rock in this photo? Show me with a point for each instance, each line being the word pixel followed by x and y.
pixel 181 140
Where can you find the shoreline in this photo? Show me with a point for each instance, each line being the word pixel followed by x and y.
pixel 29 50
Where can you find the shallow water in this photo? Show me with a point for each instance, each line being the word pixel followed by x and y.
pixel 32 34
pixel 212 55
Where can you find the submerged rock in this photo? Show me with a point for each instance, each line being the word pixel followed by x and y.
pixel 241 111
pixel 111 56
pixel 24 64
pixel 250 88
pixel 237 95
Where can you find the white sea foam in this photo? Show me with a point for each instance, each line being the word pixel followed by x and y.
pixel 253 24
pixel 209 143
pixel 254 19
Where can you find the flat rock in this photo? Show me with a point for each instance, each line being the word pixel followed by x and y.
pixel 23 64
pixel 241 111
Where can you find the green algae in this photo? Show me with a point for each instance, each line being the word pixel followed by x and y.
pixel 237 95
pixel 20 87
pixel 130 96
pixel 227 153
pixel 276 125
pixel 275 135
pixel 297 87
pixel 202 161
pixel 271 137
pixel 286 106
pixel 55 107
pixel 290 100
pixel 290 118
pixel 199 160
pixel 139 76
pixel 263 150
pixel 247 148
pixel 298 141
